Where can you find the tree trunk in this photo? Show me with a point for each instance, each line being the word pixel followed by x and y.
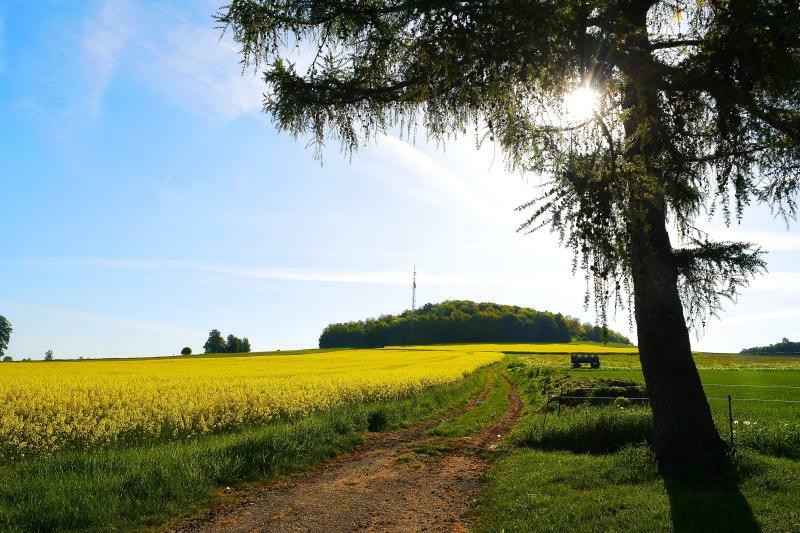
pixel 684 435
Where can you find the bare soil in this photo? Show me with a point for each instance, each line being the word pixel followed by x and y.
pixel 384 485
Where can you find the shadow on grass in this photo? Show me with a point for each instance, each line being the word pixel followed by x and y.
pixel 717 506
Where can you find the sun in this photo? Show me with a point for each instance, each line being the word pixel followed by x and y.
pixel 580 104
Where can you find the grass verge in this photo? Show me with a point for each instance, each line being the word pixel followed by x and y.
pixel 136 487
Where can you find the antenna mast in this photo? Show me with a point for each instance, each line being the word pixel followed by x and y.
pixel 414 290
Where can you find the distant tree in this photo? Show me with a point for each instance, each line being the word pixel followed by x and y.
pixel 546 328
pixel 215 342
pixel 233 345
pixel 186 351
pixel 26 358
pixel 48 355
pixel 8 359
pixel 786 347
pixel 5 334
pixel 245 347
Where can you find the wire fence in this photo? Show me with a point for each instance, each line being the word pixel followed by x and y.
pixel 729 398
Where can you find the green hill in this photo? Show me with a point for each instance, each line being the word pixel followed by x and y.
pixel 455 321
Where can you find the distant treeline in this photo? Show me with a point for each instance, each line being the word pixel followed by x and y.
pixel 216 344
pixel 784 347
pixel 463 321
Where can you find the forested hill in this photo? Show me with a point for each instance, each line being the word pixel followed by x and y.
pixel 785 347
pixel 463 321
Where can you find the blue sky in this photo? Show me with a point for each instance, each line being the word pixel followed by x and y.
pixel 146 199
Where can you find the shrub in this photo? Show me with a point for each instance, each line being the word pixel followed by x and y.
pixel 186 351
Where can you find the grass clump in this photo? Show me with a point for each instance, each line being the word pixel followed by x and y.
pixel 424 448
pixel 586 429
pixel 776 437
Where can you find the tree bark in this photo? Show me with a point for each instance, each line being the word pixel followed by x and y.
pixel 684 434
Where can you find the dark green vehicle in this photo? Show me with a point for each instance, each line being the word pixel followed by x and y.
pixel 578 359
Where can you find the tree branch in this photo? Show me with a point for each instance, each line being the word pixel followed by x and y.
pixel 659 45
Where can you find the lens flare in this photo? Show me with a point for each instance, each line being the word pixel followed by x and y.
pixel 580 104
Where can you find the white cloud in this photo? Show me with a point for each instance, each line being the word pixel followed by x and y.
pixel 769 240
pixel 68 75
pixel 190 65
pixel 777 281
pixel 300 275
pixel 770 315
pixel 421 176
pixel 105 37
pixel 184 61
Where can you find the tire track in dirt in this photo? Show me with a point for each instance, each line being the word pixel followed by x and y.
pixel 380 486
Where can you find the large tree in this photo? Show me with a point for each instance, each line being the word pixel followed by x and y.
pixel 215 343
pixel 697 111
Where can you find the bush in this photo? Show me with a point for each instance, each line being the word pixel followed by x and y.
pixel 377 420
pixel 186 351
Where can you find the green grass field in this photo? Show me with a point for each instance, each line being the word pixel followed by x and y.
pixel 586 468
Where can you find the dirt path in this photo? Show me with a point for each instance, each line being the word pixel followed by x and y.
pixel 381 486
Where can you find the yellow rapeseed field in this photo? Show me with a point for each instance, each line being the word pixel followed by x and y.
pixel 86 404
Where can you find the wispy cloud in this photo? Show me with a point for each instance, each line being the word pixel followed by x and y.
pixel 68 76
pixel 299 275
pixel 136 325
pixel 105 37
pixel 422 177
pixel 184 61
pixel 190 65
pixel 769 240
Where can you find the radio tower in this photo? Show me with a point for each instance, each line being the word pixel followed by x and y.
pixel 414 290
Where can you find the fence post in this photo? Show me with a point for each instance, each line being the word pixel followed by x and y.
pixel 558 413
pixel 730 417
pixel 546 405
